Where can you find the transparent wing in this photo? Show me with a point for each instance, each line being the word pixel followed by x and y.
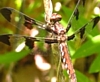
pixel 75 14
pixel 78 23
pixel 48 9
pixel 89 25
pixel 29 41
pixel 14 17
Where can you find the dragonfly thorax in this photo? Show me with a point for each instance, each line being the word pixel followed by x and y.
pixel 61 38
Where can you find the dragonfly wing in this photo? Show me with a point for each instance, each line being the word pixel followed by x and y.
pixel 9 39
pixel 48 9
pixel 78 23
pixel 14 17
pixel 74 15
pixel 92 23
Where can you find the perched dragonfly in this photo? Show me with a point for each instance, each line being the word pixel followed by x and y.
pixel 53 26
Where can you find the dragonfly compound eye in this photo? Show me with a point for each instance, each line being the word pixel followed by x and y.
pixel 55 17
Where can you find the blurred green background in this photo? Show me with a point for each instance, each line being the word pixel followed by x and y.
pixel 85 53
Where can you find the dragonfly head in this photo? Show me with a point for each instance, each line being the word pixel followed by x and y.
pixel 55 17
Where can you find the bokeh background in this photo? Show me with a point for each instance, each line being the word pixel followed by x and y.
pixel 41 63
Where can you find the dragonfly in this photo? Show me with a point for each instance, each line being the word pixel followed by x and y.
pixel 53 26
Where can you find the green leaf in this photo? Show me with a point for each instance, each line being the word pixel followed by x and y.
pixel 88 48
pixel 81 77
pixel 12 56
pixel 95 67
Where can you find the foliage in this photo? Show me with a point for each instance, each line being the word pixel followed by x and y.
pixel 12 56
pixel 78 49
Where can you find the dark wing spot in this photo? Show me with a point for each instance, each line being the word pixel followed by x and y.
pixel 95 20
pixel 5 39
pixel 71 37
pixel 50 41
pixel 82 31
pixel 76 14
pixel 6 12
pixel 29 22
pixel 29 42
